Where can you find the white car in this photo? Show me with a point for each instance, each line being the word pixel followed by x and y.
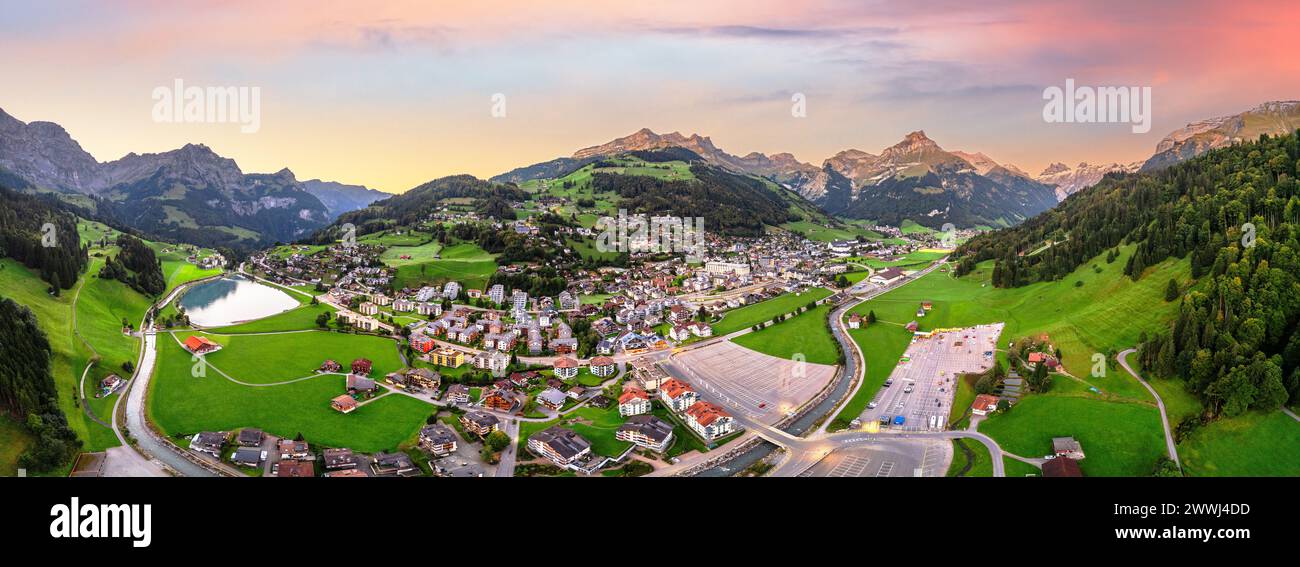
pixel 871 405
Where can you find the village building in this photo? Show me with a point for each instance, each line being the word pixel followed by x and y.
pixel 646 431
pixel 709 420
pixel 480 423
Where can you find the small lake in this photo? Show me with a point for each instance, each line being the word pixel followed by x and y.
pixel 233 299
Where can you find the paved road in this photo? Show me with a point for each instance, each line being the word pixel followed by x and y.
pixel 805 452
pixel 1164 418
pixel 1288 411
pixel 164 456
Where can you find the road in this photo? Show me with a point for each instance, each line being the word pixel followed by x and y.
pixel 1164 418
pixel 804 452
pixel 165 458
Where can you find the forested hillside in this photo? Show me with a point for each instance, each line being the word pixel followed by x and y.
pixel 57 256
pixel 730 204
pixel 135 265
pixel 27 388
pixel 1235 213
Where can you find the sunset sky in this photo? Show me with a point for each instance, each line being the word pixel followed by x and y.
pixel 392 94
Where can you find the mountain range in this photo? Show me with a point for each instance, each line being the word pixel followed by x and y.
pixel 190 194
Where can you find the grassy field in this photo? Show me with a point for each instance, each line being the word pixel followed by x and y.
pixel 1119 438
pixel 1107 311
pixel 181 404
pixel 820 233
pixel 69 355
pixel 465 263
pixel 1255 444
pixel 426 252
pixel 981 463
pixel 264 359
pixel 101 308
pixel 16 439
pixel 749 315
pixel 805 334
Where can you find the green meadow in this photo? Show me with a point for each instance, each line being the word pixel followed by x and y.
pixel 750 315
pixel 465 263
pixel 1104 312
pixel 181 404
pixel 805 334
pixel 264 359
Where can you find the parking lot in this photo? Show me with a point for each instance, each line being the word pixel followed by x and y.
pixel 921 388
pixel 763 387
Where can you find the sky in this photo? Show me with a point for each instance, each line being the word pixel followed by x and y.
pixel 393 94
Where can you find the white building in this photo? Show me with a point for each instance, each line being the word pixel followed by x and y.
pixel 726 268
pixel 497 294
pixel 451 290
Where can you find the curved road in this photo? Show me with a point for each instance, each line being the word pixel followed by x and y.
pixel 1164 418
pixel 804 452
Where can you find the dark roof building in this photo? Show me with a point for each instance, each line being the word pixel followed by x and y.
pixel 1062 466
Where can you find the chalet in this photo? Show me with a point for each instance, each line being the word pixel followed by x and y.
pixel 437 439
pixel 295 469
pixel 394 464
pixel 201 345
pixel 424 378
pixel 291 449
pixel 1062 467
pixel 679 333
pixel 886 276
pixel 855 321
pixel 709 420
pixel 552 398
pixel 330 366
pixel 210 442
pixel 677 395
pixel 362 366
pixel 913 326
pixel 605 347
pixel 339 459
pixel 397 379
pixel 480 423
pixel 360 384
pixel 1067 447
pixel 457 394
pixel 562 446
pixel 634 401
pixel 522 379
pixel 109 385
pixel 926 305
pixel 249 437
pixel 576 392
pixel 566 368
pixel 984 403
pixel 344 403
pixel 247 456
pixel 346 473
pixel 602 366
pixel 646 431
pixel 503 400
